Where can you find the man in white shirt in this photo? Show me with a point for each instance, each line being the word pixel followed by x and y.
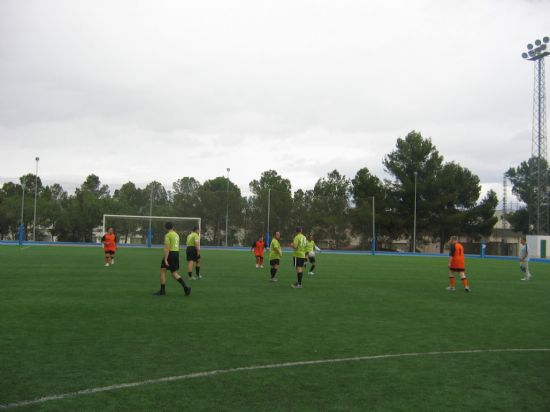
pixel 524 259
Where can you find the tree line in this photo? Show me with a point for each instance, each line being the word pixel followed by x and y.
pixel 526 179
pixel 338 209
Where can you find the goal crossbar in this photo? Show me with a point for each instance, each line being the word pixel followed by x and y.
pixel 139 217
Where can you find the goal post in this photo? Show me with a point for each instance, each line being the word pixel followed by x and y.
pixel 146 230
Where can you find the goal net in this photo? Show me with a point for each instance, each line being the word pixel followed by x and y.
pixel 147 230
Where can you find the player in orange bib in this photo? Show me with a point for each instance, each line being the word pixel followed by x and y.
pixel 109 241
pixel 456 264
pixel 258 248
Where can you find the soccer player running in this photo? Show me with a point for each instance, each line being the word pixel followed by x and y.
pixel 299 256
pixel 275 254
pixel 193 252
pixel 109 241
pixel 311 248
pixel 171 260
pixel 524 259
pixel 258 249
pixel 456 264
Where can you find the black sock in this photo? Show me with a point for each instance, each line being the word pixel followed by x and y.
pixel 300 275
pixel 273 272
pixel 197 270
pixel 190 274
pixel 182 282
pixel 312 267
pixel 162 287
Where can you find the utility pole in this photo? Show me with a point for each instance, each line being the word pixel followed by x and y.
pixel 150 232
pixel 373 228
pixel 268 212
pixel 21 227
pixel 227 206
pixel 414 224
pixel 35 197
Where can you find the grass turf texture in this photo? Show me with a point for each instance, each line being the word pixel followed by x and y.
pixel 68 323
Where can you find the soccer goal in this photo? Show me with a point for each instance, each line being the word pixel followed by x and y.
pixel 147 230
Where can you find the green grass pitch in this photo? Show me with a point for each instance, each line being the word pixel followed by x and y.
pixel 67 323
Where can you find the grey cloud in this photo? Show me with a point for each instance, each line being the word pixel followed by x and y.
pixel 245 84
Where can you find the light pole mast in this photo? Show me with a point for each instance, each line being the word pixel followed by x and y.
pixel 21 231
pixel 536 53
pixel 227 206
pixel 150 231
pixel 268 212
pixel 373 246
pixel 35 197
pixel 414 223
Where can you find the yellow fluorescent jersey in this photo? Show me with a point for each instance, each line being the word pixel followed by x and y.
pixel 299 246
pixel 275 254
pixel 310 246
pixel 192 238
pixel 172 240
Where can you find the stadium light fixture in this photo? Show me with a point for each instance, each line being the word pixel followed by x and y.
pixel 537 51
pixel 35 197
pixel 227 206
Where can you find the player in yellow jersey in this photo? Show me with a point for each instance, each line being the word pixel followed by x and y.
pixel 275 254
pixel 171 260
pixel 193 252
pixel 299 256
pixel 311 248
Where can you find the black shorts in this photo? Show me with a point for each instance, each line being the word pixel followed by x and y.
pixel 298 262
pixel 456 269
pixel 173 262
pixel 311 259
pixel 274 262
pixel 192 255
pixel 110 252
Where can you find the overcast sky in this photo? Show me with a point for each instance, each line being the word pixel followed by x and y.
pixel 142 90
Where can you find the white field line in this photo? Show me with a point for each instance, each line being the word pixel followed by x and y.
pixel 251 368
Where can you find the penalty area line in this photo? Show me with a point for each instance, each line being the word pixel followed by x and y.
pixel 195 375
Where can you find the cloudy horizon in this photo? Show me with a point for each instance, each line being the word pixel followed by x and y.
pixel 141 90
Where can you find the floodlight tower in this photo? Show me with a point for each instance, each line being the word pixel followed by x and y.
pixel 536 53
